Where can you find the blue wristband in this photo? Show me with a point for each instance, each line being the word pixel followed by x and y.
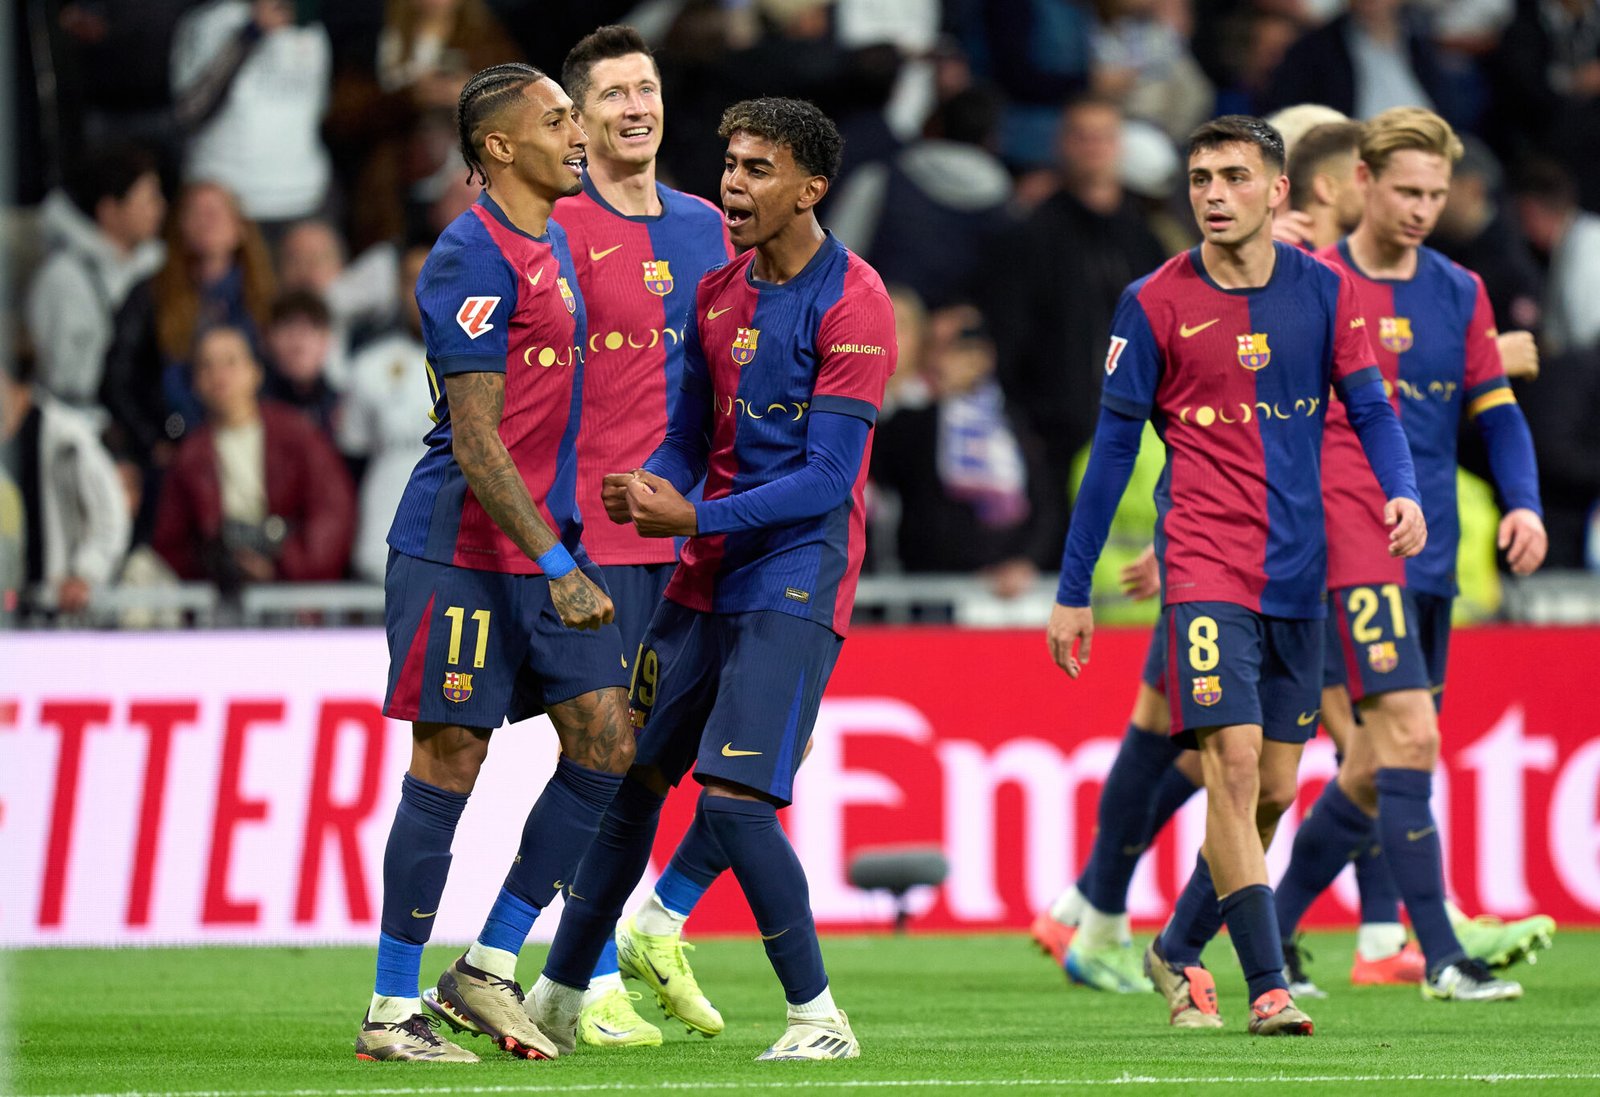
pixel 556 562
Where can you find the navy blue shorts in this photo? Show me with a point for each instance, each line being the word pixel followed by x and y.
pixel 1155 658
pixel 636 590
pixel 1433 630
pixel 735 695
pixel 1230 665
pixel 478 648
pixel 1373 641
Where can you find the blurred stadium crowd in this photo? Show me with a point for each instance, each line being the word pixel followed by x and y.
pixel 224 206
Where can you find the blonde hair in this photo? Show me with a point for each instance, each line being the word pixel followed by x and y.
pixel 1297 121
pixel 1402 128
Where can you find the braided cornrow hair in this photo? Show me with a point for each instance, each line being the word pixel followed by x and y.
pixel 484 96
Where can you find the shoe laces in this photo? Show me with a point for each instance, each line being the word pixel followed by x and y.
pixel 420 1025
pixel 510 985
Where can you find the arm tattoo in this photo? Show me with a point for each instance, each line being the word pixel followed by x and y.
pixel 477 401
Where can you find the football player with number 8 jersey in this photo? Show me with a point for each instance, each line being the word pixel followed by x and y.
pixel 1231 349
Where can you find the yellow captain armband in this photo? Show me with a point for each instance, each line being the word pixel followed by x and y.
pixel 1488 400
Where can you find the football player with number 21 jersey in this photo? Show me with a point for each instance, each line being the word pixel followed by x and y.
pixel 1231 349
pixel 491 609
pixel 1389 621
pixel 786 357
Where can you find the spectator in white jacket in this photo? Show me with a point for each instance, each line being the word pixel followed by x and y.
pixel 102 235
pixel 76 519
pixel 251 87
pixel 383 420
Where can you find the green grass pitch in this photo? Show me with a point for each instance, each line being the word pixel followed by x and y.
pixel 935 1014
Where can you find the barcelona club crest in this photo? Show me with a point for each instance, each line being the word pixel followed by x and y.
pixel 457 686
pixel 1394 333
pixel 1208 690
pixel 1382 657
pixel 566 295
pixel 744 345
pixel 1254 354
pixel 657 277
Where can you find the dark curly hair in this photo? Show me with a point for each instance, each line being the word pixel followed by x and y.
pixel 813 139
pixel 485 95
pixel 603 44
pixel 1239 129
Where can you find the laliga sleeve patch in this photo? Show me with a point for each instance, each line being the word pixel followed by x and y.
pixel 1113 353
pixel 473 316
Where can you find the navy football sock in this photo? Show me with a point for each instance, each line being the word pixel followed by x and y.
pixel 415 864
pixel 558 831
pixel 1410 839
pixel 773 882
pixel 1333 833
pixel 616 860
pixel 1380 899
pixel 1127 803
pixel 695 866
pixel 1173 790
pixel 1196 917
pixel 1253 926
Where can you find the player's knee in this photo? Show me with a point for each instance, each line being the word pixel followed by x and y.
pixel 1235 772
pixel 1413 730
pixel 1276 797
pixel 651 778
pixel 448 757
pixel 1150 711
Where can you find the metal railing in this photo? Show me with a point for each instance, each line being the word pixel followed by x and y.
pixel 1558 598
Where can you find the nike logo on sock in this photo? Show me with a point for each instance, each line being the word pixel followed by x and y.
pixel 775 936
pixel 1418 835
pixel 415 913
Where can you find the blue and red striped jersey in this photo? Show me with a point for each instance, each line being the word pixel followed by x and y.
pixel 638 276
pixel 1434 336
pixel 1237 384
pixel 496 300
pixel 770 355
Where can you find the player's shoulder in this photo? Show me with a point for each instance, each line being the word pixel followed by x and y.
pixel 689 207
pixel 464 239
pixel 1172 283
pixel 861 277
pixel 1440 267
pixel 718 278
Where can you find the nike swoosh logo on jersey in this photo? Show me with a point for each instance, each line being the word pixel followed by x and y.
pixel 712 314
pixel 1186 331
pixel 533 279
pixel 596 256
pixel 1307 718
pixel 729 752
pixel 1419 835
pixel 415 913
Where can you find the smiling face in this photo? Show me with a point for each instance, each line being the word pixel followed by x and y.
pixel 763 189
pixel 622 111
pixel 540 140
pixel 1405 199
pixel 1232 190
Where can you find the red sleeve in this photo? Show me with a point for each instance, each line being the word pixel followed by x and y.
pixel 1352 350
pixel 856 344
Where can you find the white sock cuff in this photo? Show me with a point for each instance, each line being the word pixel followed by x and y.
pixel 820 1008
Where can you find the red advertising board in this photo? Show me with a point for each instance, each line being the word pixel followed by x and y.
pixel 239 787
